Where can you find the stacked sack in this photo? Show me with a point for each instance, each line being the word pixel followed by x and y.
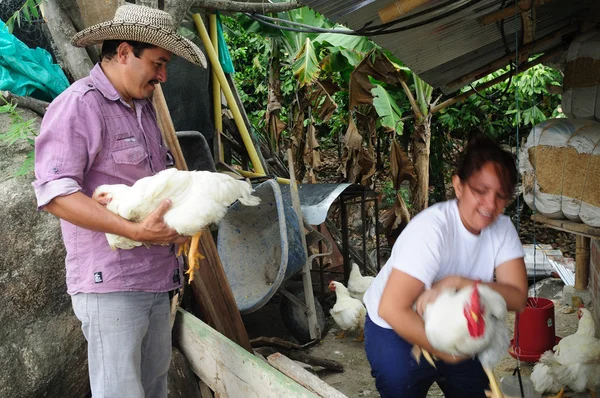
pixel 560 162
pixel 560 168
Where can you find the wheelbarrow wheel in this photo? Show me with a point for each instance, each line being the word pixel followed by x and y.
pixel 295 320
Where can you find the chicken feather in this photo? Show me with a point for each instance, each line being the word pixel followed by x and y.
pixel 199 198
pixel 574 361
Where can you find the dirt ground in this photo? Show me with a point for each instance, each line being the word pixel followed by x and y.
pixel 356 380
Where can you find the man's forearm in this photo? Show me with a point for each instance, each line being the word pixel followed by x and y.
pixel 81 210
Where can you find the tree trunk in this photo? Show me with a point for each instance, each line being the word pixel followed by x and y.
pixel 274 98
pixel 76 60
pixel 178 9
pixel 420 150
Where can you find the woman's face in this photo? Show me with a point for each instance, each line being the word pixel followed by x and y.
pixel 481 199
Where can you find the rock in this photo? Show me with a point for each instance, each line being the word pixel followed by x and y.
pixel 550 288
pixel 42 352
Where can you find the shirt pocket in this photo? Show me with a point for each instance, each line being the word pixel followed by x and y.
pixel 129 156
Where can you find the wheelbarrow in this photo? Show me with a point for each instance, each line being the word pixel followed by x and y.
pixel 261 248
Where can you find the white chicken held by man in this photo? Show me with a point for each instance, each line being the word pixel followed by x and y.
pixel 358 284
pixel 574 361
pixel 470 322
pixel 348 313
pixel 198 199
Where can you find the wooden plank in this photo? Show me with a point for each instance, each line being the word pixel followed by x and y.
pixel 213 294
pixel 582 262
pixel 302 376
pixel 568 226
pixel 228 369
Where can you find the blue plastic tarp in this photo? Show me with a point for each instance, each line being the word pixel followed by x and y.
pixel 25 71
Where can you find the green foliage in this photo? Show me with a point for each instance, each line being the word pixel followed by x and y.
pixel 390 115
pixel 500 115
pixel 28 10
pixel 19 130
pixel 306 67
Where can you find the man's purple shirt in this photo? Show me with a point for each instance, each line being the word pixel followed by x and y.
pixel 90 137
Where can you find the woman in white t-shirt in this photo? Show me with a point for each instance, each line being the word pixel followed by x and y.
pixel 450 244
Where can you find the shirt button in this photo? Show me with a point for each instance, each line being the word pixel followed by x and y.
pixel 90 85
pixel 55 170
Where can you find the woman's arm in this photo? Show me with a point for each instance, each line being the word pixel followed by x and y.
pixel 396 308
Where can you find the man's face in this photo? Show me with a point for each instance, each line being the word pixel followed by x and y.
pixel 143 73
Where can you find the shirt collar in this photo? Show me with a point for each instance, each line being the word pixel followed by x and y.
pixel 102 83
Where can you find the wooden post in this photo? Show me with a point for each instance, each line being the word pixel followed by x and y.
pixel 582 262
pixel 210 286
pixel 214 295
pixel 311 314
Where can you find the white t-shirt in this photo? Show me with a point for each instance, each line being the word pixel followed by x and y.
pixel 436 244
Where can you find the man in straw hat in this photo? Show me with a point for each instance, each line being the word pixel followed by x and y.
pixel 103 130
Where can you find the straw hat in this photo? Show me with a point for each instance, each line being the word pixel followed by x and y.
pixel 143 24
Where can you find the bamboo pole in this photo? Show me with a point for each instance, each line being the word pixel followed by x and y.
pixel 547 56
pixel 216 86
pixel 582 262
pixel 399 8
pixel 235 110
pixel 522 6
pixel 249 174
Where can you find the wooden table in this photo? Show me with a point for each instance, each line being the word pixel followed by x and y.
pixel 583 235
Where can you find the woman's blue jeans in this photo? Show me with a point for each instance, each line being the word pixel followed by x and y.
pixel 397 374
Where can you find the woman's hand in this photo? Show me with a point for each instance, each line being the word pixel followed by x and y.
pixel 427 297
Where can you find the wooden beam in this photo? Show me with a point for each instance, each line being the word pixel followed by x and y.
pixel 214 295
pixel 303 377
pixel 582 262
pixel 399 8
pixel 228 369
pixel 547 56
pixel 165 123
pixel 522 6
pixel 503 61
pixel 568 226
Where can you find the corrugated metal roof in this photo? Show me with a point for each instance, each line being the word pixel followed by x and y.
pixel 446 49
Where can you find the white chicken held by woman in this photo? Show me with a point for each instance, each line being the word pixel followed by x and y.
pixel 198 199
pixel 575 362
pixel 348 313
pixel 470 322
pixel 358 284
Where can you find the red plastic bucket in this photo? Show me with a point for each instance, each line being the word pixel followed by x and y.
pixel 534 329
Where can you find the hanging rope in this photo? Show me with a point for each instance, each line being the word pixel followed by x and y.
pixel 517 348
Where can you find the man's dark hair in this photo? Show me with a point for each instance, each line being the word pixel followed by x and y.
pixel 109 48
pixel 482 149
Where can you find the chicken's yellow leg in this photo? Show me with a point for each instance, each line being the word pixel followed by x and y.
pixel 361 337
pixel 592 393
pixel 495 393
pixel 181 249
pixel 193 256
pixel 418 351
pixel 341 335
pixel 560 394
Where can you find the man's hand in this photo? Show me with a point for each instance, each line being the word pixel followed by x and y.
pixel 154 230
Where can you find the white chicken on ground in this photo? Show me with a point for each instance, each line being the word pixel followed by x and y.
pixel 198 199
pixel 348 313
pixel 358 284
pixel 470 322
pixel 574 361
